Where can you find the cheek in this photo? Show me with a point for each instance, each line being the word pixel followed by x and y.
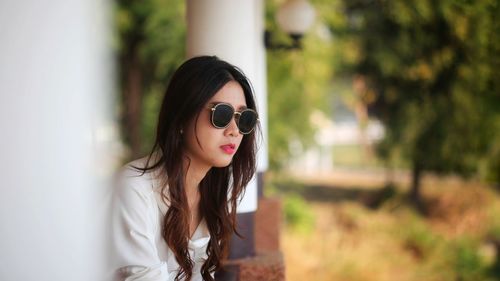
pixel 239 141
pixel 209 138
pixel 198 130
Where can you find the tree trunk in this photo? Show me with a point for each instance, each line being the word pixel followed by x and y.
pixel 415 192
pixel 361 112
pixel 133 103
pixel 496 266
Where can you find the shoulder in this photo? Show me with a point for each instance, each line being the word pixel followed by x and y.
pixel 131 184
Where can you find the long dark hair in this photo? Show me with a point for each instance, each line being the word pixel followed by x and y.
pixel 194 83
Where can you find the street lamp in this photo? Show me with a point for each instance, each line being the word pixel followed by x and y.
pixel 294 17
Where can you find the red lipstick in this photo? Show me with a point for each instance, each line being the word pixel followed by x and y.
pixel 229 148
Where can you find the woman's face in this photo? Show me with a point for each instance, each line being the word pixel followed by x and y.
pixel 216 147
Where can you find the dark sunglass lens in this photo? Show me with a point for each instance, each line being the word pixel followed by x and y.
pixel 247 121
pixel 222 115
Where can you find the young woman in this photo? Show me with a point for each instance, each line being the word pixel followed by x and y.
pixel 174 211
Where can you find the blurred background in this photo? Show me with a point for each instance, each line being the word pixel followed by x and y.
pixel 381 131
pixel 384 131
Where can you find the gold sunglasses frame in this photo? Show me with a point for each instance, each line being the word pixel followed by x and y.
pixel 237 119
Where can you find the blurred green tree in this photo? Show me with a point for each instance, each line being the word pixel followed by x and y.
pixel 299 82
pixel 432 67
pixel 149 45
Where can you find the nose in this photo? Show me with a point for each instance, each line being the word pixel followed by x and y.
pixel 232 129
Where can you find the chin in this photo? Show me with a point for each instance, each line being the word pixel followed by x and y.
pixel 222 163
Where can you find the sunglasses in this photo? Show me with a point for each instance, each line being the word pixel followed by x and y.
pixel 222 114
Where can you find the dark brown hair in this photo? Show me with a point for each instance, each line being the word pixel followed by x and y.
pixel 194 83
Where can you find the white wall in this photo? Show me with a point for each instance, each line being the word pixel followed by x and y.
pixel 54 101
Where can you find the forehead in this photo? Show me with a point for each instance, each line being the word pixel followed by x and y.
pixel 231 93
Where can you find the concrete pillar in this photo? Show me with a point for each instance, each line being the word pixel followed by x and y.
pixel 233 31
pixel 54 100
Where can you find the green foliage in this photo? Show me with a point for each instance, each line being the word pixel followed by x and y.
pixel 494 231
pixel 490 167
pixel 298 214
pixel 151 108
pixel 155 28
pixel 286 116
pixel 417 237
pixel 298 84
pixel 445 259
pixel 468 263
pixel 150 39
pixel 433 68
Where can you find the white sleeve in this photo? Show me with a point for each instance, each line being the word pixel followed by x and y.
pixel 135 255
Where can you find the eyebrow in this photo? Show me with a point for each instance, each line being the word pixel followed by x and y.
pixel 241 107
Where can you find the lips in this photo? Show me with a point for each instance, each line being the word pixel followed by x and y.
pixel 229 148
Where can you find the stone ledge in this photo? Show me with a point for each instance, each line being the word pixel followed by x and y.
pixel 268 263
pixel 268 221
pixel 265 266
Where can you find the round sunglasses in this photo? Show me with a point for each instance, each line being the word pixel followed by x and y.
pixel 222 114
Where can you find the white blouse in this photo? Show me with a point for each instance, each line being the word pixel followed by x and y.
pixel 139 250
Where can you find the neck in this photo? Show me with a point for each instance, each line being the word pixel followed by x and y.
pixel 193 174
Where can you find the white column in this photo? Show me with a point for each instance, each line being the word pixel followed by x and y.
pixel 233 31
pixel 54 97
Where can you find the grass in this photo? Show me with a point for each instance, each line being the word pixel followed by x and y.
pixel 347 237
pixel 355 156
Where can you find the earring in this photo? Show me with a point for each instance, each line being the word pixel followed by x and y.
pixel 182 131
